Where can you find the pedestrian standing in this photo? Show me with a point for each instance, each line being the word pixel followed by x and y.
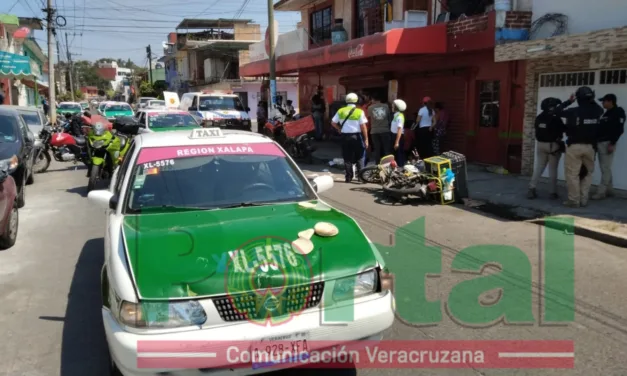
pixel 612 126
pixel 549 131
pixel 366 102
pixel 262 115
pixel 351 122
pixel 424 128
pixel 46 106
pixel 381 138
pixel 582 131
pixel 318 109
pixel 1 93
pixel 397 130
pixel 439 129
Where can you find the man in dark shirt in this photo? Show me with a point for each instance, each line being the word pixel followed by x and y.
pixel 610 129
pixel 549 131
pixel 380 117
pixel 582 131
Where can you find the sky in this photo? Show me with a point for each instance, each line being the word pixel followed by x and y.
pixel 123 28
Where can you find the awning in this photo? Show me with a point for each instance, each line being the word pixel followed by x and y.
pixel 41 86
pixel 9 19
pixel 14 66
pixel 407 41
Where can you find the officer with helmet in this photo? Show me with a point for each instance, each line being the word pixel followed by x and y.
pixel 549 130
pixel 351 122
pixel 582 131
pixel 398 130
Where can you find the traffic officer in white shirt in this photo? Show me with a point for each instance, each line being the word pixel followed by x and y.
pixel 351 122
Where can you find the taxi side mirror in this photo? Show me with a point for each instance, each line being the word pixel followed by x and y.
pixel 322 183
pixel 103 198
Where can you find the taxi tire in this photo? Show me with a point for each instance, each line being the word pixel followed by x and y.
pixel 21 194
pixel 113 369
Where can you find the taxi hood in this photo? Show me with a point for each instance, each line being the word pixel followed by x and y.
pixel 202 253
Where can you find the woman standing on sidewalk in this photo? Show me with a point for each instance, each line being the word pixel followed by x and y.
pixel 439 128
pixel 398 129
pixel 424 128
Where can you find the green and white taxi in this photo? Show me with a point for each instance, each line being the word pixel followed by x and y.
pixel 215 237
pixel 117 109
pixel 69 108
pixel 165 119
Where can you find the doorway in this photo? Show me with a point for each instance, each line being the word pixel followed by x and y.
pixel 487 148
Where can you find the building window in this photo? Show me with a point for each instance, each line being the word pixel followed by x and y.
pixel 567 79
pixel 489 94
pixel 369 17
pixel 320 24
pixel 613 77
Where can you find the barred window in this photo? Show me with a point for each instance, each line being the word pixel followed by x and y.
pixel 613 77
pixel 567 79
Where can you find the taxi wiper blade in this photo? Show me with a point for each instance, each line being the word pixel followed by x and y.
pixel 171 208
pixel 243 205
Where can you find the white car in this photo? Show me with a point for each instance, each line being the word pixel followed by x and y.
pixel 217 109
pixel 208 239
pixel 156 103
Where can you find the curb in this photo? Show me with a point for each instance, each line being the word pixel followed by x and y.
pixel 585 231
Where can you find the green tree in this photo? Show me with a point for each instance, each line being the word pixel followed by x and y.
pixel 146 89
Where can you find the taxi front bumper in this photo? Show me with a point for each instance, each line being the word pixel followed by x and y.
pixel 372 316
pixel 238 124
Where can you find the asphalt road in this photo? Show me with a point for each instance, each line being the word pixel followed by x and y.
pixel 49 282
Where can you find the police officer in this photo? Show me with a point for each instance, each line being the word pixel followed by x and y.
pixel 351 122
pixel 612 127
pixel 582 130
pixel 549 132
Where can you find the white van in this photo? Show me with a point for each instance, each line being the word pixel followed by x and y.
pixel 217 109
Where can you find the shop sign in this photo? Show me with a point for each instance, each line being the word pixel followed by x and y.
pixel 357 51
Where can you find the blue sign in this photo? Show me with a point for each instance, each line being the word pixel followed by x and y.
pixel 273 92
pixel 14 66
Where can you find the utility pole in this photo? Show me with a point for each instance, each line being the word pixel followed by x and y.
pixel 51 84
pixel 71 69
pixel 271 56
pixel 149 55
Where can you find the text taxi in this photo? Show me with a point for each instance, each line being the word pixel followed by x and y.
pixel 218 237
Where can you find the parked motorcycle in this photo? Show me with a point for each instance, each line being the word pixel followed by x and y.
pixel 106 151
pixel 293 136
pixel 64 142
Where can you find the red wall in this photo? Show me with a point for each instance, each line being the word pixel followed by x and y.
pixel 485 145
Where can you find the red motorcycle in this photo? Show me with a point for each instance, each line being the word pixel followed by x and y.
pixel 64 144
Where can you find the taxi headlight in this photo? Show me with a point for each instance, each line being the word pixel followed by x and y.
pixel 162 314
pixel 356 286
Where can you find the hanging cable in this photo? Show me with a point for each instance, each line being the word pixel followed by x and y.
pixel 560 21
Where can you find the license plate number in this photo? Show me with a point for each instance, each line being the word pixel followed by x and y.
pixel 280 350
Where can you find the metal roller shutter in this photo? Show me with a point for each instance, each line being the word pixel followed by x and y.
pixel 451 91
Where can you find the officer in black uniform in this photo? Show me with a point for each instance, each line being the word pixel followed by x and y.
pixel 612 127
pixel 549 130
pixel 582 131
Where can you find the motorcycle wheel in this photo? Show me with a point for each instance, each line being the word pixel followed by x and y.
pixel 42 162
pixel 401 191
pixel 370 174
pixel 94 178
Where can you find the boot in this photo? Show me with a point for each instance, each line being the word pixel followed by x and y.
pixel 532 194
pixel 571 204
pixel 600 194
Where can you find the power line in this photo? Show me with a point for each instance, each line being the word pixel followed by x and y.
pixel 13 6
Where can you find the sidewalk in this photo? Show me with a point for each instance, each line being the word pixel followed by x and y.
pixel 505 196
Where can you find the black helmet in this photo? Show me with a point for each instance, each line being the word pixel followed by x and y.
pixel 584 93
pixel 87 114
pixel 549 104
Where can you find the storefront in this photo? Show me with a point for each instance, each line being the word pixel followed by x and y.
pixel 484 99
pixel 556 67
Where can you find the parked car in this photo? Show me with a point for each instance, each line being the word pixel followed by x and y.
pixel 9 218
pixel 36 120
pixel 163 119
pixel 69 108
pixel 116 109
pixel 17 147
pixel 157 103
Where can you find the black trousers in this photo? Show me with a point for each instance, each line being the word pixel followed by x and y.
pixel 382 143
pixel 353 150
pixel 400 155
pixel 424 142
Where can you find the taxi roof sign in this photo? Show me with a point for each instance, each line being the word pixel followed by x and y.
pixel 200 133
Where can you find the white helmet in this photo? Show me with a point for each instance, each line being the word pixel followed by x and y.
pixel 352 98
pixel 400 105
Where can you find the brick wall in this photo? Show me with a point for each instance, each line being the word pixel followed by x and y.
pixel 535 67
pixel 518 20
pixel 468 25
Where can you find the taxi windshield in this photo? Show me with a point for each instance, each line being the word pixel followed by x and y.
pixel 69 106
pixel 166 120
pixel 212 103
pixel 214 177
pixel 118 107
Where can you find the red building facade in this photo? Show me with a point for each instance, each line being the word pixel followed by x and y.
pixel 452 62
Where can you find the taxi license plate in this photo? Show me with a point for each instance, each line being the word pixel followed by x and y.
pixel 291 348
